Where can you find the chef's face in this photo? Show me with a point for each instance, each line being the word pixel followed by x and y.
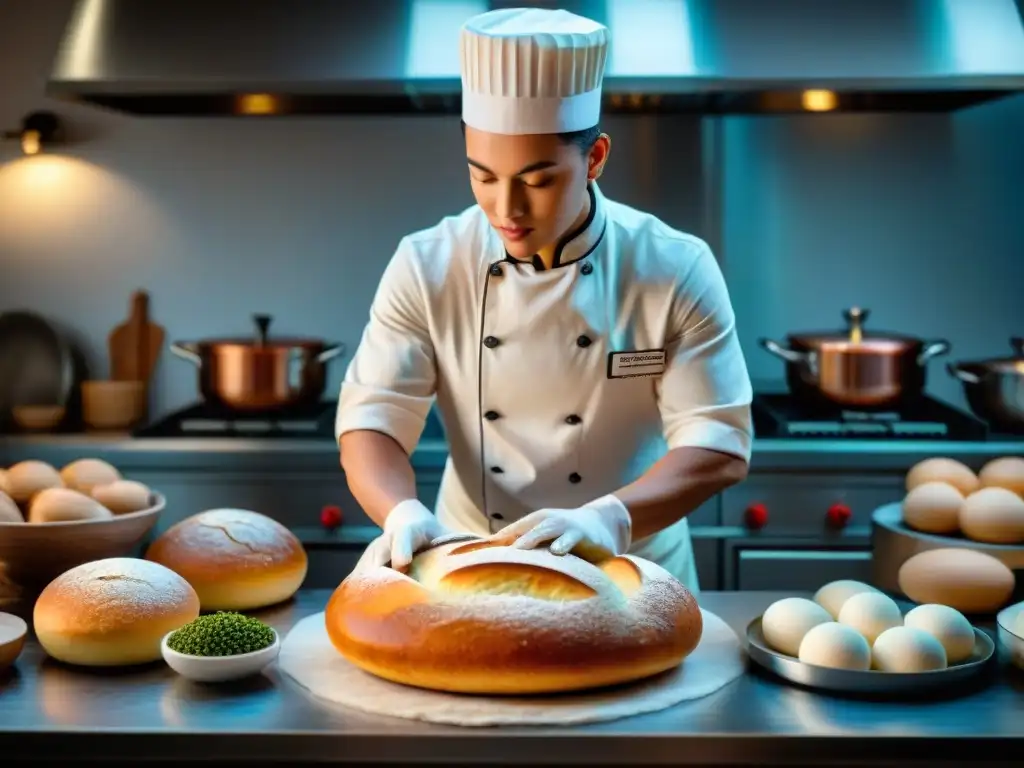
pixel 532 188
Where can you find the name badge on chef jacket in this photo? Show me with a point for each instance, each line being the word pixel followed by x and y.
pixel 636 364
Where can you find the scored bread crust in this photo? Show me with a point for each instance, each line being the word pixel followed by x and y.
pixel 236 560
pixel 484 618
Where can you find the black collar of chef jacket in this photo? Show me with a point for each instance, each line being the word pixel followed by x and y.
pixel 538 262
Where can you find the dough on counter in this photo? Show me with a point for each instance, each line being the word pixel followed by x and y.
pixel 933 507
pixel 836 646
pixel 948 626
pixel 84 474
pixel 122 496
pixel 9 512
pixel 27 478
pixel 993 515
pixel 1006 472
pixel 63 505
pixel 943 470
pixel 871 614
pixel 834 595
pixel 787 621
pixel 112 612
pixel 235 559
pixel 907 649
pixel 970 581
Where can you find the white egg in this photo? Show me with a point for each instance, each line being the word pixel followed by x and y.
pixel 871 613
pixel 786 622
pixel 834 595
pixel 948 626
pixel 837 646
pixel 907 649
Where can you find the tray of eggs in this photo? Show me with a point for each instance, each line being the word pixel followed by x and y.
pixel 854 638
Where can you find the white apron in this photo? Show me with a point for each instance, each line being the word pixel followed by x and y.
pixel 556 386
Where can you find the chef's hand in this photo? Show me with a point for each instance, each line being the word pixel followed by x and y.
pixel 595 531
pixel 408 529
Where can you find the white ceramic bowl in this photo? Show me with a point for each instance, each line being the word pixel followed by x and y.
pixel 1011 644
pixel 218 669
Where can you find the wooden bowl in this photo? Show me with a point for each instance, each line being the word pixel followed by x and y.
pixel 113 404
pixel 34 554
pixel 13 630
pixel 38 417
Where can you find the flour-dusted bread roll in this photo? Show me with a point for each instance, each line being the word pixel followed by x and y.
pixel 85 474
pixel 62 505
pixel 27 478
pixel 235 559
pixel 484 618
pixel 112 612
pixel 123 496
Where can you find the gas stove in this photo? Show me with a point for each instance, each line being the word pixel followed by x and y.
pixel 209 420
pixel 782 415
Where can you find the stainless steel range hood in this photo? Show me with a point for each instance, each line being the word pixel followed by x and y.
pixel 292 57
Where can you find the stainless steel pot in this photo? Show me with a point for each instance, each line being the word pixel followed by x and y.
pixel 260 373
pixel 995 388
pixel 856 368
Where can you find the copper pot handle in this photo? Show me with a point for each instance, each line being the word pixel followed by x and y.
pixel 330 353
pixel 933 349
pixel 789 355
pixel 959 373
pixel 1017 342
pixel 186 352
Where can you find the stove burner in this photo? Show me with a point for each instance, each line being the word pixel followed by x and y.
pixel 781 415
pixel 207 420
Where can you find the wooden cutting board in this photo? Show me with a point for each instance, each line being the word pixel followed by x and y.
pixel 135 345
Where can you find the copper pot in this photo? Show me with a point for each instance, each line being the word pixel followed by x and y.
pixel 856 368
pixel 994 388
pixel 260 373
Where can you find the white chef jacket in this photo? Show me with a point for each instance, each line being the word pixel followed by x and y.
pixel 555 386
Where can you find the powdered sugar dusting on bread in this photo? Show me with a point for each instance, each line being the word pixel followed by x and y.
pixel 234 532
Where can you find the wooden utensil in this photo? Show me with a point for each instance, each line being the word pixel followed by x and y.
pixel 134 346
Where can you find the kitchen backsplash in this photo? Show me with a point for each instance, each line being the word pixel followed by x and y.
pixel 913 216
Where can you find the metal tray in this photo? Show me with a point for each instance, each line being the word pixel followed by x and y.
pixel 852 681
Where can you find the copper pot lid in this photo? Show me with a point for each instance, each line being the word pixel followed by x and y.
pixel 855 337
pixel 261 340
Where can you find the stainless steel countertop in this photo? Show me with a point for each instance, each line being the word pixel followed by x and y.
pixel 50 711
pixel 321 455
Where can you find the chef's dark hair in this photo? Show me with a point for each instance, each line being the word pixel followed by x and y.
pixel 584 139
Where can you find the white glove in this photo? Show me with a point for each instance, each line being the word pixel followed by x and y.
pixel 408 529
pixel 596 531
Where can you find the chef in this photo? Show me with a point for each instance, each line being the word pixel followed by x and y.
pixel 582 354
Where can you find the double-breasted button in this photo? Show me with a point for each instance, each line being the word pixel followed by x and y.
pixel 497 516
pixel 495 270
pixel 573 419
pixel 583 341
pixel 491 342
pixel 497 470
pixel 574 477
pixel 492 415
pixel 587 268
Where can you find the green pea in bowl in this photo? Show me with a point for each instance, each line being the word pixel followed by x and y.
pixel 217 662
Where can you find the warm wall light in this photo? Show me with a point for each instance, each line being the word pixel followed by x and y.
pixel 37 131
pixel 818 101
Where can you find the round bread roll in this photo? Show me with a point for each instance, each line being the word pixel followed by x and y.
pixel 483 618
pixel 85 474
pixel 943 470
pixel 9 512
pixel 62 505
pixel 112 612
pixel 27 478
pixel 235 559
pixel 1007 472
pixel 122 496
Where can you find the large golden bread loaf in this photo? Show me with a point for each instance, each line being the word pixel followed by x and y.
pixel 484 618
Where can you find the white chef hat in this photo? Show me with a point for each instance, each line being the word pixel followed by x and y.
pixel 532 70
